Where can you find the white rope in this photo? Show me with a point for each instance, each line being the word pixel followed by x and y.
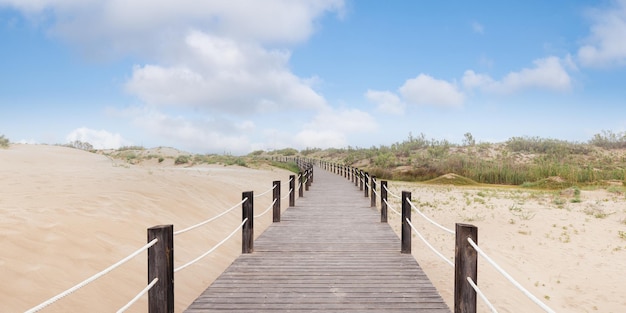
pixel 482 295
pixel 429 245
pixel 287 195
pixel 266 210
pixel 392 194
pixel 139 295
pixel 210 220
pixel 263 193
pixel 507 276
pixel 212 249
pixel 376 192
pixel 428 219
pixel 92 278
pixel 391 208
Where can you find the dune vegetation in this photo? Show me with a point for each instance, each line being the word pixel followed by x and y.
pixel 520 161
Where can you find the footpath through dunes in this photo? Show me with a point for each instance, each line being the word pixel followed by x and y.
pixel 328 253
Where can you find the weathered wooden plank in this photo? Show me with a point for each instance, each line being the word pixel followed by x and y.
pixel 330 252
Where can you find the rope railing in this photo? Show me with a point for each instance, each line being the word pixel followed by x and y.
pixel 139 295
pixel 265 192
pixel 392 194
pixel 91 279
pixel 266 210
pixel 428 219
pixel 209 220
pixel 391 208
pixel 212 249
pixel 482 295
pixel 287 195
pixel 429 245
pixel 509 277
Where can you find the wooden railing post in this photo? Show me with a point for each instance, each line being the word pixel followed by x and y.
pixel 383 201
pixel 300 180
pixel 292 190
pixel 361 178
pixel 307 179
pixel 356 177
pixel 161 266
pixel 406 228
pixel 372 192
pixel 365 183
pixel 247 212
pixel 465 265
pixel 276 199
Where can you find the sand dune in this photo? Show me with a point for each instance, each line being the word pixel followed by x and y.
pixel 571 255
pixel 68 214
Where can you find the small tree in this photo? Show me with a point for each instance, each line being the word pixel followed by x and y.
pixel 469 140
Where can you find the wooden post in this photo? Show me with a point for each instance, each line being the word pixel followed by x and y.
pixel 300 180
pixel 383 203
pixel 406 228
pixel 372 193
pixel 465 265
pixel 365 183
pixel 276 199
pixel 247 211
pixel 361 178
pixel 307 179
pixel 292 190
pixel 356 177
pixel 161 266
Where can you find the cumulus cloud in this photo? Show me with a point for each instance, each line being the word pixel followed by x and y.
pixel 99 139
pixel 145 26
pixel 606 46
pixel 220 74
pixel 331 127
pixel 386 101
pixel 426 90
pixel 548 73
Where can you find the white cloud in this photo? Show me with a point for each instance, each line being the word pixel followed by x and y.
pixel 222 75
pixel 99 139
pixel 145 26
pixel 606 45
pixel 548 73
pixel 330 128
pixel 387 101
pixel 426 90
pixel 198 134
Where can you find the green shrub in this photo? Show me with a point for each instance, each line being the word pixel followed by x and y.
pixel 161 159
pixel 181 159
pixel 4 142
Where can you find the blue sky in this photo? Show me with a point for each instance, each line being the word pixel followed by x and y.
pixel 235 76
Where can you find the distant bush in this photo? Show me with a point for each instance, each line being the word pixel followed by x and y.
pixel 256 153
pixel 126 148
pixel 77 144
pixel 181 159
pixel 4 142
pixel 609 140
pixel 287 151
pixel 161 159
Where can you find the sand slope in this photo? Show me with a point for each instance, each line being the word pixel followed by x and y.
pixel 570 255
pixel 67 214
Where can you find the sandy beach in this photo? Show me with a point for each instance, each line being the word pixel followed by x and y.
pixel 68 214
pixel 568 253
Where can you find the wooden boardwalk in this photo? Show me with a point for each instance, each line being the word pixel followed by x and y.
pixel 329 253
